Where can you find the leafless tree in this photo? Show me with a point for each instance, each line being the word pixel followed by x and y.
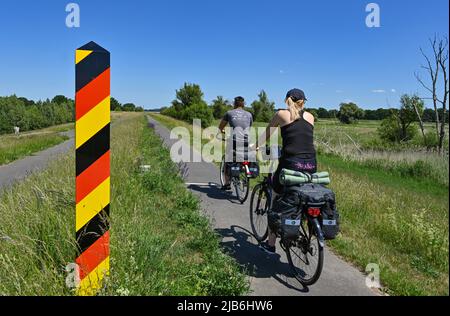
pixel 437 68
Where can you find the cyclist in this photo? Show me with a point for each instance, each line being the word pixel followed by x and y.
pixel 240 121
pixel 299 154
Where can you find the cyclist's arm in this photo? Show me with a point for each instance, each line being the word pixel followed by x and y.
pixel 222 126
pixel 274 123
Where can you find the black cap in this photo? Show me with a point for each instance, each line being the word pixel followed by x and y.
pixel 239 99
pixel 296 95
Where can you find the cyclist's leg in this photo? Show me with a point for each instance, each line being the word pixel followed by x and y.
pixel 277 189
pixel 227 176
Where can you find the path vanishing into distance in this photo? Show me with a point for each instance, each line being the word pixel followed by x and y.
pixel 20 169
pixel 269 275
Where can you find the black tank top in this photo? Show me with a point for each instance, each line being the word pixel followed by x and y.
pixel 298 139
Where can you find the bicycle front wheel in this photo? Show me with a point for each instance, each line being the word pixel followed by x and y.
pixel 305 256
pixel 259 208
pixel 222 171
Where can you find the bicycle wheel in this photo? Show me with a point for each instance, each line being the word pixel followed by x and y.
pixel 222 171
pixel 242 186
pixel 305 256
pixel 259 207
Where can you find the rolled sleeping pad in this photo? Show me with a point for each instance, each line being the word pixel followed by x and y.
pixel 304 175
pixel 293 180
pixel 321 175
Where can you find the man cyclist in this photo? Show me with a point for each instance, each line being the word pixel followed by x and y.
pixel 237 147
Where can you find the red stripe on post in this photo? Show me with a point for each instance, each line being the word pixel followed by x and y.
pixel 93 176
pixel 92 94
pixel 91 258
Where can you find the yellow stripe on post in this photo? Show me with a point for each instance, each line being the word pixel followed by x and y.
pixel 90 285
pixel 81 54
pixel 91 123
pixel 92 204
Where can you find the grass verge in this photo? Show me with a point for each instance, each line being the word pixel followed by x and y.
pixel 14 147
pixel 161 244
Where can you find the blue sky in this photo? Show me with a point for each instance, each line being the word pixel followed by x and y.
pixel 228 47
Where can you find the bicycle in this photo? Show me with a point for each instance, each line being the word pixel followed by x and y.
pixel 240 175
pixel 307 248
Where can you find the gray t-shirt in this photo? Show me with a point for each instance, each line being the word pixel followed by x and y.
pixel 241 121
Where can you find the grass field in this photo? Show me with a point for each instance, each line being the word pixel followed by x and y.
pixel 14 147
pixel 398 220
pixel 161 244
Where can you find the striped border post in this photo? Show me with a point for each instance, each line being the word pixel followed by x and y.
pixel 92 107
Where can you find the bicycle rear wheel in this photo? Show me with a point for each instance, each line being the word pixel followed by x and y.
pixel 259 207
pixel 242 186
pixel 305 256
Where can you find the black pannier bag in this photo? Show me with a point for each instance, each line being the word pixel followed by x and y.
pixel 235 169
pixel 285 216
pixel 315 195
pixel 253 168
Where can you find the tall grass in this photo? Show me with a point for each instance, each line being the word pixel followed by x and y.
pixel 160 242
pixel 16 147
pixel 405 233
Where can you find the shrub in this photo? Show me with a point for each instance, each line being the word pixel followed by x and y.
pixel 350 113
pixel 189 105
pixel 391 130
pixel 198 111
pixel 263 109
pixel 220 106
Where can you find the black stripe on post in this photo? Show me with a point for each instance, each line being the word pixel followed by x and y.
pixel 92 150
pixel 90 68
pixel 93 231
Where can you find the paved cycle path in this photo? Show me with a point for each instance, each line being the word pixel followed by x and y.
pixel 20 169
pixel 269 275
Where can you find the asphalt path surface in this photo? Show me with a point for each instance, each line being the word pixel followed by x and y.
pixel 20 169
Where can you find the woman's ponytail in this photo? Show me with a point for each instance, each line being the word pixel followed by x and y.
pixel 295 108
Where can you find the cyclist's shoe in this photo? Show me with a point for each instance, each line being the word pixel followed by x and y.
pixel 267 249
pixel 226 188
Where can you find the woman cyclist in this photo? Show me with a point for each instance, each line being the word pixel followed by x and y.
pixel 299 154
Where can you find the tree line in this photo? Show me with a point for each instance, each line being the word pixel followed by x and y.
pixel 189 104
pixel 31 115
pixel 127 107
pixel 398 124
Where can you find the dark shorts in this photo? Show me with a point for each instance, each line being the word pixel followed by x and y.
pixel 304 163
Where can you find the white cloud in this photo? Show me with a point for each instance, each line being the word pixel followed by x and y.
pixel 281 71
pixel 393 90
pixel 379 91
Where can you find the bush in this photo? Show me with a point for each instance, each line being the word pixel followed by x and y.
pixel 172 112
pixel 220 106
pixel 391 130
pixel 263 109
pixel 198 111
pixel 350 113
pixel 189 105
